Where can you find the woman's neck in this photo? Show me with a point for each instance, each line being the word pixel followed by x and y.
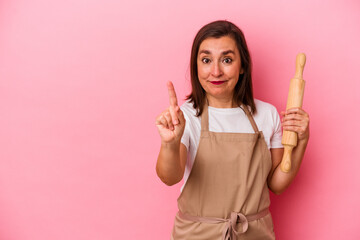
pixel 221 102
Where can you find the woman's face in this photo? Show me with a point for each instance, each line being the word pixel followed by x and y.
pixel 219 66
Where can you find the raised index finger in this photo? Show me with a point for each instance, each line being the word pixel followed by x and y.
pixel 172 95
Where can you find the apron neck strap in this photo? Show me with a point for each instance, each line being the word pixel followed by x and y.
pixel 205 118
pixel 250 117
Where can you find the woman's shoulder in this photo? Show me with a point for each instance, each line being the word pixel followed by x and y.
pixel 265 109
pixel 188 109
pixel 262 106
pixel 189 112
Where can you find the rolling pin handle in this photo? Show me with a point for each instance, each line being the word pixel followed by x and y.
pixel 300 64
pixel 286 161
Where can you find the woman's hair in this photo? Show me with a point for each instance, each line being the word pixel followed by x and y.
pixel 243 92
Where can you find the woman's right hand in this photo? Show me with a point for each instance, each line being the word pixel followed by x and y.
pixel 171 122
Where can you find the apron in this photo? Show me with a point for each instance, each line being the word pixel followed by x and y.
pixel 226 196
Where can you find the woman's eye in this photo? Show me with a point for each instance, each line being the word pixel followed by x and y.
pixel 227 60
pixel 205 60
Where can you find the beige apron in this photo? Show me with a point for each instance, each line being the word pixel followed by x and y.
pixel 226 196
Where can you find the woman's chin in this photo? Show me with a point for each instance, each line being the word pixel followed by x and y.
pixel 219 93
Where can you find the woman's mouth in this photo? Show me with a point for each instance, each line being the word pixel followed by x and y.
pixel 217 82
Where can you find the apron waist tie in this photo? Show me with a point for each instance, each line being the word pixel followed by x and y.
pixel 229 232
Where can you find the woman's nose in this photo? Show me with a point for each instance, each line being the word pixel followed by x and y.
pixel 216 70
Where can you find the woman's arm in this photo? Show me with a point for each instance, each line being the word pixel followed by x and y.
pixel 296 120
pixel 171 161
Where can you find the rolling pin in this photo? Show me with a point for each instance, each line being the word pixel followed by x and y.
pixel 295 99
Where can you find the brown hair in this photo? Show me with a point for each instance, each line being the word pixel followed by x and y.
pixel 243 92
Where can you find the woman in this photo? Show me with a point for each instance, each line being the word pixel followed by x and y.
pixel 225 143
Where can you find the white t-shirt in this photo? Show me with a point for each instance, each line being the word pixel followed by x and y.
pixel 229 120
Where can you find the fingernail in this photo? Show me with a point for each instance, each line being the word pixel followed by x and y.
pixel 176 122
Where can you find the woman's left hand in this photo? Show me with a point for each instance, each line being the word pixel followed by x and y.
pixel 296 120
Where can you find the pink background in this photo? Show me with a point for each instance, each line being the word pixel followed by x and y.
pixel 81 83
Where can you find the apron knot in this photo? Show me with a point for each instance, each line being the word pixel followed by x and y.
pixel 230 232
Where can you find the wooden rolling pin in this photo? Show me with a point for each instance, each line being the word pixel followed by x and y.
pixel 295 99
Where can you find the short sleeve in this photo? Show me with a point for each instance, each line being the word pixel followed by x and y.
pixel 275 140
pixel 185 139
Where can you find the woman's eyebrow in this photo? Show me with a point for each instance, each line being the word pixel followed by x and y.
pixel 204 51
pixel 227 52
pixel 223 53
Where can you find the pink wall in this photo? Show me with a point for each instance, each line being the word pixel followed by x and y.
pixel 81 83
